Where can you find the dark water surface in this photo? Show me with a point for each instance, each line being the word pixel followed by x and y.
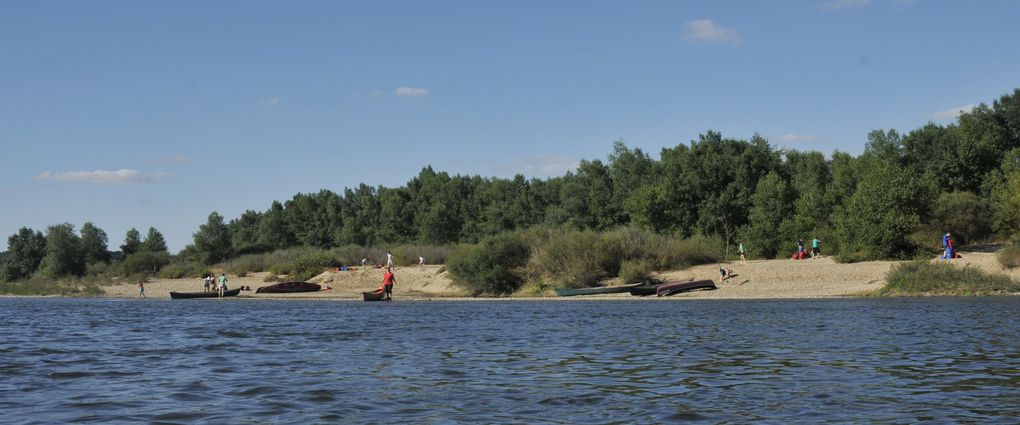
pixel 247 361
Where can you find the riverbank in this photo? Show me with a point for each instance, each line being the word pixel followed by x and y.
pixel 757 279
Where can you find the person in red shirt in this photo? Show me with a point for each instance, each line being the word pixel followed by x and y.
pixel 388 281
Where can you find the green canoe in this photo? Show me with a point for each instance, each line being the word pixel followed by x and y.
pixel 596 290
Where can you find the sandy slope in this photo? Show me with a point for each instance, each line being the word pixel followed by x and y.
pixel 812 278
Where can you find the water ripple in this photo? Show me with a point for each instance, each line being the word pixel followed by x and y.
pixel 811 361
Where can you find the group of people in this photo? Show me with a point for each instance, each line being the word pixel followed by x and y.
pixel 212 285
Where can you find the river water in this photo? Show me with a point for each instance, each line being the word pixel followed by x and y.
pixel 250 361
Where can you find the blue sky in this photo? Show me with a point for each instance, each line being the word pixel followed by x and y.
pixel 138 114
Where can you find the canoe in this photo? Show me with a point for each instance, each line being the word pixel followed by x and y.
pixel 644 290
pixel 373 296
pixel 596 290
pixel 204 294
pixel 288 287
pixel 670 288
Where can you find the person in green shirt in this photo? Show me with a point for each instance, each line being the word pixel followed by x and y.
pixel 742 251
pixel 223 284
pixel 814 247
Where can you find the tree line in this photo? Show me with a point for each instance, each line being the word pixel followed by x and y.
pixel 892 201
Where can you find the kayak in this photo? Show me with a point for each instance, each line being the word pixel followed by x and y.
pixel 204 294
pixel 565 292
pixel 670 288
pixel 288 287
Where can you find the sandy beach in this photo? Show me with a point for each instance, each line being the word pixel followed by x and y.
pixel 757 279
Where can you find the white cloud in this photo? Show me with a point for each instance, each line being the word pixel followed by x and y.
pixel 270 102
pixel 171 159
pixel 704 30
pixel 844 4
pixel 103 176
pixel 797 138
pixel 411 91
pixel 545 165
pixel 951 113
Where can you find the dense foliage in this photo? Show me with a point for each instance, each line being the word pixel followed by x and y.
pixel 892 201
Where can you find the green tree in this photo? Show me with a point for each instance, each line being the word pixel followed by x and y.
pixel 93 244
pixel 965 214
pixel 882 212
pixel 244 233
pixel 63 252
pixel 154 242
pixel 212 241
pixel 132 242
pixel 25 251
pixel 770 207
pixel 273 232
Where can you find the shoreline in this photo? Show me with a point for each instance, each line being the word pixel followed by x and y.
pixel 820 278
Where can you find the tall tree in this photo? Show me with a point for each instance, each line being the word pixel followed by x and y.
pixel 93 244
pixel 770 207
pixel 212 241
pixel 132 242
pixel 63 252
pixel 25 250
pixel 154 242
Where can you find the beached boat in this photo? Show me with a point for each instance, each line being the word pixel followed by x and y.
pixel 670 288
pixel 596 290
pixel 376 295
pixel 204 294
pixel 644 290
pixel 288 287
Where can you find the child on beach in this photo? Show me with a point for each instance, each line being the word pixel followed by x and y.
pixel 141 290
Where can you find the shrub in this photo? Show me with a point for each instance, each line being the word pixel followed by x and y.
pixel 254 263
pixel 571 259
pixel 178 270
pixel 144 263
pixel 1009 256
pixel 492 267
pixel 941 278
pixel 68 287
pixel 272 278
pixel 311 265
pixel 634 271
pixel 965 214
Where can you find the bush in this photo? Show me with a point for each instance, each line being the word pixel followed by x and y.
pixel 311 265
pixel 941 278
pixel 578 259
pixel 965 214
pixel 180 270
pixel 492 267
pixel 144 263
pixel 67 287
pixel 571 259
pixel 1009 256
pixel 632 271
pixel 254 263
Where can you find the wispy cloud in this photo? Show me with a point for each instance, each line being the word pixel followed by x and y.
pixel 124 176
pixel 951 113
pixel 704 30
pixel 171 159
pixel 844 4
pixel 411 91
pixel 798 138
pixel 545 165
pixel 270 102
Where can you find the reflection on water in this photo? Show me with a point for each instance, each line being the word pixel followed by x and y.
pixel 228 361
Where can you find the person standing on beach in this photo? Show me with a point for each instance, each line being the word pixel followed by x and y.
pixel 389 260
pixel 223 284
pixel 421 260
pixel 800 245
pixel 141 290
pixel 947 246
pixel 742 251
pixel 814 247
pixel 388 281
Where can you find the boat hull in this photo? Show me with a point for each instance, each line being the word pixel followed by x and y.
pixel 204 294
pixel 373 296
pixel 667 289
pixel 564 292
pixel 288 288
